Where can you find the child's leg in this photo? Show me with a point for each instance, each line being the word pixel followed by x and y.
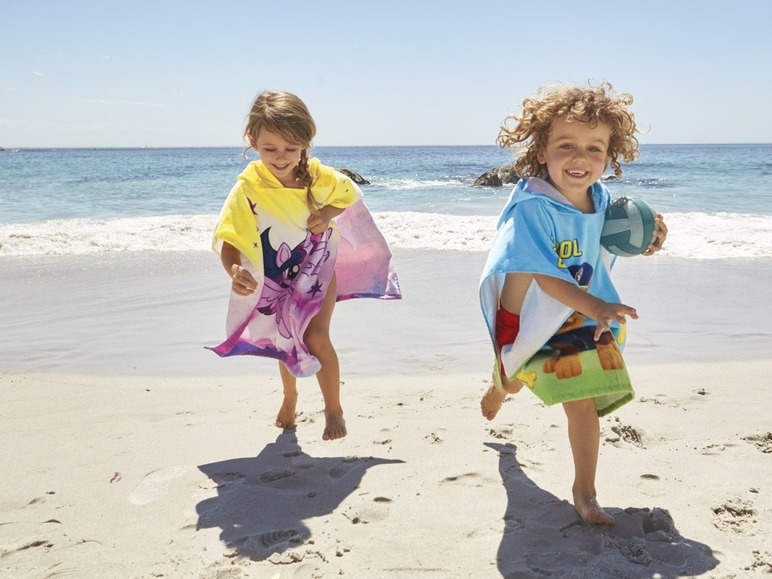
pixel 584 436
pixel 507 328
pixel 317 338
pixel 494 397
pixel 286 417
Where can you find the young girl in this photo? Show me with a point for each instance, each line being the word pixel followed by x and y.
pixel 295 237
pixel 554 316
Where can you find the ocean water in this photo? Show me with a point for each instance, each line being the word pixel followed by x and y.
pixel 717 199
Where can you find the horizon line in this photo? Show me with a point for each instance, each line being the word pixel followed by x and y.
pixel 156 147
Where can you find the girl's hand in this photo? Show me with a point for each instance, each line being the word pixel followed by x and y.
pixel 318 223
pixel 607 313
pixel 242 281
pixel 660 232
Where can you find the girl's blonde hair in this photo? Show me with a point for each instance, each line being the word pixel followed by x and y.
pixel 587 105
pixel 285 114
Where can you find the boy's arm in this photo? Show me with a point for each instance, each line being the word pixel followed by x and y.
pixel 604 313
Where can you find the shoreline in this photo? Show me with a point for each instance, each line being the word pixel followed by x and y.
pixel 695 236
pixel 85 314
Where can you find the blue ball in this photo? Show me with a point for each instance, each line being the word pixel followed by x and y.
pixel 629 227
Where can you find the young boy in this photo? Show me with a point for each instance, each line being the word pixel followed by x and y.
pixel 552 311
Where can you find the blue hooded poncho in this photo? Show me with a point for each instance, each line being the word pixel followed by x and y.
pixel 541 232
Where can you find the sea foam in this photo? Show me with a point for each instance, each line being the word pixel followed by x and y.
pixel 691 235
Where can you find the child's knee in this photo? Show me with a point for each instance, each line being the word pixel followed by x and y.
pixel 317 342
pixel 511 386
pixel 584 408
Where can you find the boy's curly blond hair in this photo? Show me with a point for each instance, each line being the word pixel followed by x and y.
pixel 587 105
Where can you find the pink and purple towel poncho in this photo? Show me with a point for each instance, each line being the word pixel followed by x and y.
pixel 267 223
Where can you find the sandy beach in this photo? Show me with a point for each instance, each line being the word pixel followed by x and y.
pixel 134 452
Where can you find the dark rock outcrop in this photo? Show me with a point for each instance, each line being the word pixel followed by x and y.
pixel 354 176
pixel 498 177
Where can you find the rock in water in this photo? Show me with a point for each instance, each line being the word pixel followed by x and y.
pixel 503 175
pixel 354 176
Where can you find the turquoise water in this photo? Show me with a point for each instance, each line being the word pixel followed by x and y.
pixel 717 199
pixel 38 185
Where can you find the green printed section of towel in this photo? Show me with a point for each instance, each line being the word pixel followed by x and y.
pixel 575 367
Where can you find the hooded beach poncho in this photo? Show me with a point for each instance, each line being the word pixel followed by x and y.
pixel 541 232
pixel 267 223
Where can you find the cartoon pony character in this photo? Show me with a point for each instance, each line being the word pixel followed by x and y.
pixel 292 277
pixel 573 337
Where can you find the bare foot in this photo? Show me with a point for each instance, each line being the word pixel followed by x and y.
pixel 286 417
pixel 591 512
pixel 493 398
pixel 335 427
pixel 491 401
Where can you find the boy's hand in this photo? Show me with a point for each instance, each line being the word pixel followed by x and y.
pixel 607 313
pixel 604 313
pixel 660 232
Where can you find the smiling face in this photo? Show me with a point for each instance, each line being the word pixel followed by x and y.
pixel 576 155
pixel 279 155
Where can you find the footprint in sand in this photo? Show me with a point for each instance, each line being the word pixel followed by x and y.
pixel 274 475
pixel 226 569
pixel 284 537
pixel 433 438
pixel 513 524
pixel 624 433
pixel 44 544
pixel 39 500
pixel 367 514
pixel 347 465
pixel 650 485
pixel 660 400
pixel 471 479
pixel 762 441
pixel 646 537
pixel 501 432
pixel 762 562
pixel 300 417
pixel 715 449
pixel 227 480
pixel 156 484
pixel 735 515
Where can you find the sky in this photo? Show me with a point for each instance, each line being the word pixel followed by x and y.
pixel 168 73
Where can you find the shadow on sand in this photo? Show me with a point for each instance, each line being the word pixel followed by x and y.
pixel 262 502
pixel 543 536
